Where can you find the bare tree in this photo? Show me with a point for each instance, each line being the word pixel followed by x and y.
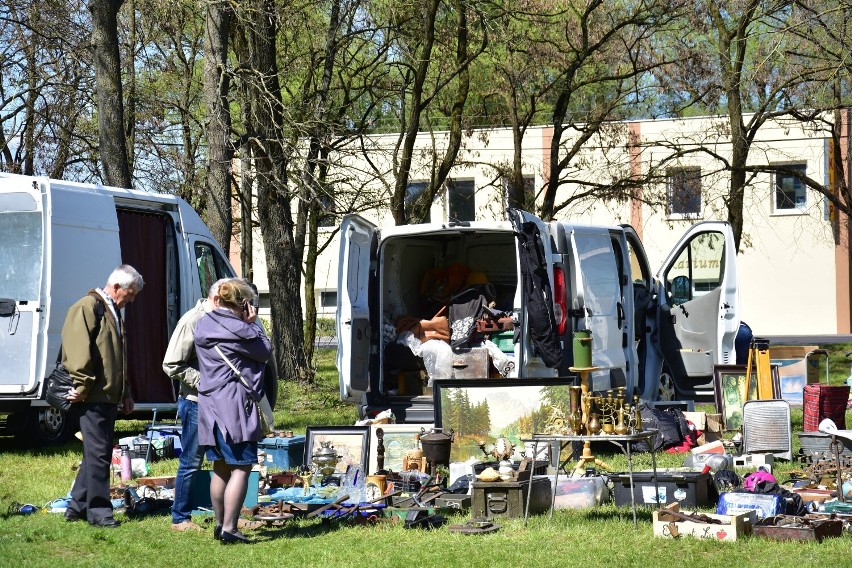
pixel 108 87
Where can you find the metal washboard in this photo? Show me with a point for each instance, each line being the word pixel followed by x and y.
pixel 767 428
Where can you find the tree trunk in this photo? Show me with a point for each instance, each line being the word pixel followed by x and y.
pixel 273 200
pixel 113 149
pixel 218 126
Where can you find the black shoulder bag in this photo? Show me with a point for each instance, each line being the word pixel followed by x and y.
pixel 60 383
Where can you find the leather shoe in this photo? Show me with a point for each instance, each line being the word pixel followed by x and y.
pixel 217 532
pixel 234 538
pixel 106 523
pixel 72 516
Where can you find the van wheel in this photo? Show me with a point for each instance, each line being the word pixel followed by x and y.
pixel 666 389
pixel 48 426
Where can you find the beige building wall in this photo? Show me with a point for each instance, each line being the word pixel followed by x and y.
pixel 793 278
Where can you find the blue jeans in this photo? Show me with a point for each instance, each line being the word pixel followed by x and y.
pixel 190 459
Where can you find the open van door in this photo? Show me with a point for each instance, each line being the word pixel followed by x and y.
pixel 698 309
pixel 358 247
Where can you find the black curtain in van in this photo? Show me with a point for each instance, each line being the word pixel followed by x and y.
pixel 143 246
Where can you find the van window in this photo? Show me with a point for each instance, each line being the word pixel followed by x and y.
pixel 20 254
pixel 211 266
pixel 600 274
pixel 698 269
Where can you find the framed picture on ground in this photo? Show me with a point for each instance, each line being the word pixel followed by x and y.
pixel 397 440
pixel 731 388
pixel 482 410
pixel 351 443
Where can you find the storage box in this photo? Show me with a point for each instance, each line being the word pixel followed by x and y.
pixel 809 529
pixel 732 527
pixel 509 498
pixel 471 363
pixel 825 401
pixel 283 453
pixel 199 489
pixel 688 487
pixel 764 505
pixel 505 341
pixel 453 501
pixel 818 444
pixel 754 461
pixel 580 493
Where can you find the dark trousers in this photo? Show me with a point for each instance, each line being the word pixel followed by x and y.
pixel 90 495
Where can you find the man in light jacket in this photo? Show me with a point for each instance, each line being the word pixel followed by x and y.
pixel 181 363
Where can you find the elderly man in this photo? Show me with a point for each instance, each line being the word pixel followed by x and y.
pixel 181 363
pixel 93 351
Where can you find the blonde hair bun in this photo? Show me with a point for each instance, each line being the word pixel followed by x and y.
pixel 235 291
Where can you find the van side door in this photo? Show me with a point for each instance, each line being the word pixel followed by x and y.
pixel 698 313
pixel 356 269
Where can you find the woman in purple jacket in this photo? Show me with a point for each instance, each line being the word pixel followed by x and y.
pixel 228 424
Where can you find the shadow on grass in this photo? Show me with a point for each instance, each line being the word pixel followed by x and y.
pixel 643 514
pixel 298 529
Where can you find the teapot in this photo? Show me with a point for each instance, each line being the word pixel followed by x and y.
pixel 325 459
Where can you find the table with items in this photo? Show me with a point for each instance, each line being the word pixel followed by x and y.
pixel 622 441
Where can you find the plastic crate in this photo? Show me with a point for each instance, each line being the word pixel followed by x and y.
pixel 689 488
pixel 163 449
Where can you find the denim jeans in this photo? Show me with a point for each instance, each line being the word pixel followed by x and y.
pixel 190 459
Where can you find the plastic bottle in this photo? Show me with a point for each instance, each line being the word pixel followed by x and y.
pixel 126 466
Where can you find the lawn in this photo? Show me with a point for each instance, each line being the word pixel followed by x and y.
pixel 598 537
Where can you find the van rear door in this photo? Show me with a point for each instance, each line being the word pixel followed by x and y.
pixel 698 313
pixel 23 329
pixel 358 247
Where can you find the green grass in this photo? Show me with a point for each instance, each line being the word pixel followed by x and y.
pixel 603 536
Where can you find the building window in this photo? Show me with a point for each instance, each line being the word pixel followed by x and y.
pixel 528 200
pixel 328 299
pixel 790 190
pixel 461 202
pixel 414 190
pixel 683 190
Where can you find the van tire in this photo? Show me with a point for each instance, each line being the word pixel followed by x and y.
pixel 47 426
pixel 666 390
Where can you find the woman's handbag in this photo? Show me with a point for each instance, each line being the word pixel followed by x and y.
pixel 264 409
pixel 59 384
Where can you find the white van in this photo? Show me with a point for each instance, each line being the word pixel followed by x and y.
pixel 58 240
pixel 656 336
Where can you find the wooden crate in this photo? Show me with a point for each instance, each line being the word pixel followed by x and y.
pixel 733 527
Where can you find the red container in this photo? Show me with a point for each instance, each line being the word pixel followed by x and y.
pixel 825 401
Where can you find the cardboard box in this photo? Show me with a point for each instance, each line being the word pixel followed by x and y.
pixel 733 526
pixel 698 419
pixel 714 423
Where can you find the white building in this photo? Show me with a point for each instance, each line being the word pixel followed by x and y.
pixel 794 275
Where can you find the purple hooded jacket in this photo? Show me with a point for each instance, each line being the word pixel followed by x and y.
pixel 222 398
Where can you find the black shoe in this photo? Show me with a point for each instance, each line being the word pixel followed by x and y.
pixel 217 532
pixel 234 538
pixel 72 516
pixel 106 523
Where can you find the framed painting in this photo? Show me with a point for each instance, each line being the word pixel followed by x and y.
pixel 731 388
pixel 351 443
pixel 397 440
pixel 481 410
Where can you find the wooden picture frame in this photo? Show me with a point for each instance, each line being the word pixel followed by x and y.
pixel 397 440
pixel 517 409
pixel 352 444
pixel 731 388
